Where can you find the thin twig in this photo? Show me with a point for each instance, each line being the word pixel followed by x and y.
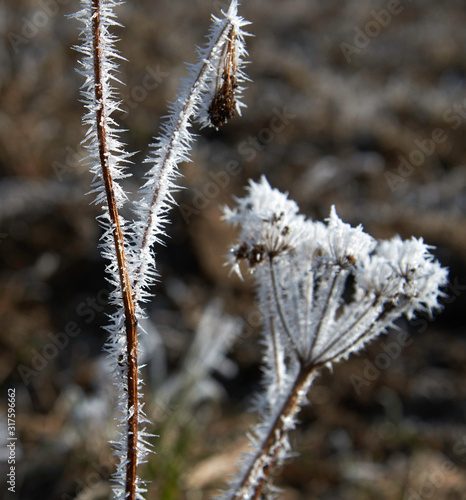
pixel 130 316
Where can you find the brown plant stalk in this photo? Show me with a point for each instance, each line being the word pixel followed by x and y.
pixel 130 316
pixel 266 457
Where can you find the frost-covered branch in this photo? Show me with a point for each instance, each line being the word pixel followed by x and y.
pixel 302 270
pixel 210 95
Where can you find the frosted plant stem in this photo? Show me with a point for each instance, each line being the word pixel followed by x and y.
pixel 323 315
pixel 276 353
pixel 280 308
pixel 130 316
pixel 171 152
pixel 354 324
pixel 256 475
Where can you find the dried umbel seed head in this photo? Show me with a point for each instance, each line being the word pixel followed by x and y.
pixel 241 252
pixel 253 254
pixel 348 261
pixel 223 105
pixel 257 255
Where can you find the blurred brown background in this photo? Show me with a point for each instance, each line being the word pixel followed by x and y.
pixel 361 104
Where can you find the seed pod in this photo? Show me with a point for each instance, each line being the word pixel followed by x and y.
pixel 223 105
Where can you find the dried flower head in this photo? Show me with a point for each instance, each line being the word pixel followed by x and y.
pixel 303 267
pixel 224 80
pixel 324 291
pixel 222 107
